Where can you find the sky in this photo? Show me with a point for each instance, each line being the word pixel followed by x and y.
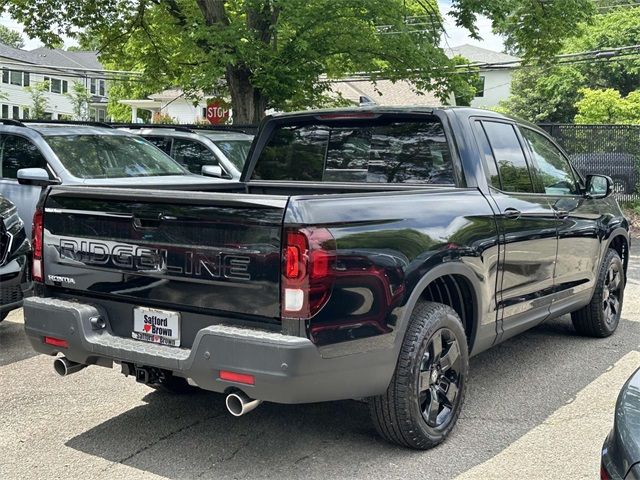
pixel 454 35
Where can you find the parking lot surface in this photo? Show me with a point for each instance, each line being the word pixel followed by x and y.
pixel 538 406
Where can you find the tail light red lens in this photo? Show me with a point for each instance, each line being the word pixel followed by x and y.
pixel 36 243
pixel 308 272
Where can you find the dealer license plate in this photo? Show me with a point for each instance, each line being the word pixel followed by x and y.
pixel 156 326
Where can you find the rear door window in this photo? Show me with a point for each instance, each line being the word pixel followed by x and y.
pixel 192 154
pixel 17 153
pixel 509 157
pixel 385 152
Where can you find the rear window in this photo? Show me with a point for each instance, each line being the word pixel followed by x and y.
pixel 387 152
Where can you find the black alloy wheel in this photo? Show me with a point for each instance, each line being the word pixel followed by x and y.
pixel 611 300
pixel 440 378
pixel 425 396
pixel 601 316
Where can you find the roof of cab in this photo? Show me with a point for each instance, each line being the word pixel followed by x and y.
pixel 465 111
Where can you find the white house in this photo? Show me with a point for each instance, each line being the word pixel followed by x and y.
pixel 22 68
pixel 171 103
pixel 495 80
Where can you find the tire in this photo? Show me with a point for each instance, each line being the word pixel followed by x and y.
pixel 174 385
pixel 420 406
pixel 601 316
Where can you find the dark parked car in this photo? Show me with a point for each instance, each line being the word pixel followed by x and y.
pixel 15 281
pixel 622 167
pixel 366 253
pixel 621 449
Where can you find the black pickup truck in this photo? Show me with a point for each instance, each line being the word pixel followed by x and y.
pixel 365 253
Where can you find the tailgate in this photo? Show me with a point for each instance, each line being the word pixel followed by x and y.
pixel 183 251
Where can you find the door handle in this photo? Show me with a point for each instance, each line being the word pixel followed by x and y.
pixel 511 213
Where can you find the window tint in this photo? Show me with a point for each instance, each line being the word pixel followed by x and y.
pixel 553 169
pixel 485 150
pixel 509 157
pixel 389 152
pixel 17 153
pixel 192 155
pixel 163 143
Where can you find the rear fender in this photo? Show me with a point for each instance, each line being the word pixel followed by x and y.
pixel 452 268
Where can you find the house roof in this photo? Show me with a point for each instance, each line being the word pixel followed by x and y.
pixel 480 55
pixel 16 54
pixel 384 92
pixel 63 58
pixel 52 57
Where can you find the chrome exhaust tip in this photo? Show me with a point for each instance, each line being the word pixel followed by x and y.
pixel 63 366
pixel 238 403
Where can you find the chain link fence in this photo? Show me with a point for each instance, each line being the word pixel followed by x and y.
pixel 612 150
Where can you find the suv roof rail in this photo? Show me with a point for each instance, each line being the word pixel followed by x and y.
pixel 178 128
pixel 12 122
pixel 224 128
pixel 190 128
pixel 69 122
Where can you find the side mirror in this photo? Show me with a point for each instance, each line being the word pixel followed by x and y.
pixel 35 176
pixel 599 186
pixel 212 171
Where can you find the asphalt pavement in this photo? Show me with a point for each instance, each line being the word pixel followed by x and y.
pixel 538 406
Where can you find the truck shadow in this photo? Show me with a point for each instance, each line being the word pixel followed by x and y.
pixel 513 388
pixel 14 345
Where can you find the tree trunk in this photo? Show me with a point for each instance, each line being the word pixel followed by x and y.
pixel 248 102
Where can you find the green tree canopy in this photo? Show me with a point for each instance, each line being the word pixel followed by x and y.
pixel 11 37
pixel 608 106
pixel 550 92
pixel 277 53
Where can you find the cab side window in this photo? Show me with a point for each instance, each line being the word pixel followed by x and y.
pixel 17 153
pixel 553 169
pixel 509 157
pixel 193 155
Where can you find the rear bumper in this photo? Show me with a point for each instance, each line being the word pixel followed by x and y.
pixel 287 369
pixel 14 284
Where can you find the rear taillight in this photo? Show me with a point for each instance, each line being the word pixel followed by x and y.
pixel 309 256
pixel 36 243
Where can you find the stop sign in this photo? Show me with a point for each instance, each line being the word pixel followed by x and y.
pixel 218 112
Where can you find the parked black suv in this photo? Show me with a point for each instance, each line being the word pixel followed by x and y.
pixel 15 283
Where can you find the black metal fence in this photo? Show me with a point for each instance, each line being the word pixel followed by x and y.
pixel 612 150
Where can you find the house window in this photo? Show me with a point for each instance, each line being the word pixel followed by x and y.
pixel 16 113
pixel 97 87
pixel 56 85
pixel 15 77
pixel 5 111
pixel 102 115
pixel 25 112
pixel 480 86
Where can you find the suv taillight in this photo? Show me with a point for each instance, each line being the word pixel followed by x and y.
pixel 309 257
pixel 36 243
